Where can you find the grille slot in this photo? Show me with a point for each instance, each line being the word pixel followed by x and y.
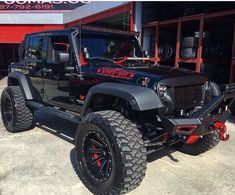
pixel 187 97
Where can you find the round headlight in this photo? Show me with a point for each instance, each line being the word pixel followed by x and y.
pixel 162 90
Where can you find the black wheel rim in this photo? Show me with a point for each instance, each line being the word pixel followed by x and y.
pixel 97 156
pixel 8 110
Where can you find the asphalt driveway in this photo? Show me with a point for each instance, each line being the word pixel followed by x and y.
pixel 41 161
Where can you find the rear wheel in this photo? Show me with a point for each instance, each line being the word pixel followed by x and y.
pixel 110 153
pixel 204 144
pixel 16 115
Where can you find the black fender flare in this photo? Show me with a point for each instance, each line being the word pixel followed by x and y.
pixel 23 81
pixel 140 98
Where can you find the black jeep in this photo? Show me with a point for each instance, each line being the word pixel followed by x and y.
pixel 126 107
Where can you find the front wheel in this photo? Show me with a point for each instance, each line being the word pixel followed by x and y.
pixel 110 153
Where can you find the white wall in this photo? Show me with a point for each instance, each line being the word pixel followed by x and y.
pixel 89 9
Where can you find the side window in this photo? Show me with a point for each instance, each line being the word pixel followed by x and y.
pixel 35 50
pixel 58 43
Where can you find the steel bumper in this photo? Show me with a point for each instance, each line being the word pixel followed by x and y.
pixel 200 122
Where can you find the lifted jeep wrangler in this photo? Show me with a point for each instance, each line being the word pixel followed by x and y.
pixel 126 107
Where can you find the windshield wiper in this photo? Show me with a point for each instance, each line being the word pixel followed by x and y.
pixel 106 59
pixel 125 58
pixel 138 58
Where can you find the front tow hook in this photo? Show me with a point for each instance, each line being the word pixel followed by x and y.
pixel 221 127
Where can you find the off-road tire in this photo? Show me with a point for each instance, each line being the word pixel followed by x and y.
pixel 187 53
pixel 127 150
pixel 22 117
pixel 189 42
pixel 204 144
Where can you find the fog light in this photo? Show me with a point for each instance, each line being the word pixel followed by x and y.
pixel 162 91
pixel 192 139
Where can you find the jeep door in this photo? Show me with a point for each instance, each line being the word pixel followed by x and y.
pixel 56 76
pixel 34 58
pixel 88 77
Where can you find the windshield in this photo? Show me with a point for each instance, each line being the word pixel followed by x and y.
pixel 107 47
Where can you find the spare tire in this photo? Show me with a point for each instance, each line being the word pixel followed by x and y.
pixel 166 51
pixel 189 42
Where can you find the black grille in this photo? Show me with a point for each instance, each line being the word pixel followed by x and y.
pixel 187 97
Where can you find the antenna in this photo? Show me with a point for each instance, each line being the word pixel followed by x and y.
pixel 124 27
pixel 80 35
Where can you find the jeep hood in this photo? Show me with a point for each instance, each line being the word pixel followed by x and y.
pixel 170 75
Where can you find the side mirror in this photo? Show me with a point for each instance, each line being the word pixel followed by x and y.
pixel 61 57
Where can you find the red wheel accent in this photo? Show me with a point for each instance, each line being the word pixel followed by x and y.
pixel 96 156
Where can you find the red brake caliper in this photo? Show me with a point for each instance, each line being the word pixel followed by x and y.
pixel 221 127
pixel 95 156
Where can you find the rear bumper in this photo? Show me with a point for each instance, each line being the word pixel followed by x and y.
pixel 201 121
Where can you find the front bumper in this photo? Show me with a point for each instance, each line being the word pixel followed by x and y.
pixel 200 122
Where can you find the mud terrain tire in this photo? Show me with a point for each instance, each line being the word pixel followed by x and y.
pixel 16 115
pixel 126 151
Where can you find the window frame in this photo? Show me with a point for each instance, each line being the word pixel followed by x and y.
pixel 48 47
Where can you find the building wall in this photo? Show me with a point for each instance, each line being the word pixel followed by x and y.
pixel 15 33
pixel 14 26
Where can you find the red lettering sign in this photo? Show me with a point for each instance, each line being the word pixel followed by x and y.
pixel 114 73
